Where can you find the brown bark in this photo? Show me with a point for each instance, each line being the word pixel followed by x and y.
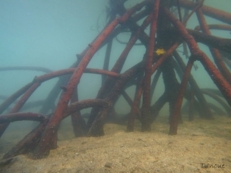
pixel 44 137
pixel 7 118
pixel 218 79
pixel 203 110
pixel 135 112
pixel 216 54
pixel 209 11
pixel 145 117
pixel 109 82
pixel 49 138
pixel 176 111
pixel 28 143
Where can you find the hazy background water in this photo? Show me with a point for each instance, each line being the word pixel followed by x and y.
pixel 49 33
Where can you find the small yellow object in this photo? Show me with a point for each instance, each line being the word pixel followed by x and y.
pixel 160 51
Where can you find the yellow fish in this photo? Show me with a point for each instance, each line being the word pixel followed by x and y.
pixel 160 52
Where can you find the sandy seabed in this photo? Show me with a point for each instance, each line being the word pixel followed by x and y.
pixel 200 146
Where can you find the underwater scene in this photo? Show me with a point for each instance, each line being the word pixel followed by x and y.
pixel 127 86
